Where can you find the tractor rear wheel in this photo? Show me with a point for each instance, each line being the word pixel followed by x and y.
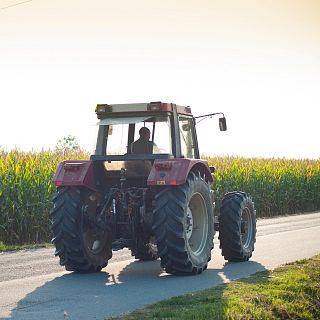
pixel 237 226
pixel 183 224
pixel 80 243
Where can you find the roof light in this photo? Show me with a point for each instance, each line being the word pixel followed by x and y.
pixel 154 106
pixel 102 109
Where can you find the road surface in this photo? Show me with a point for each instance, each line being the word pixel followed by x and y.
pixel 34 286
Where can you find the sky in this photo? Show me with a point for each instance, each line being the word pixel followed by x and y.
pixel 258 62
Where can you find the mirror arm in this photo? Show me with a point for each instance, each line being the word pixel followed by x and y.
pixel 208 115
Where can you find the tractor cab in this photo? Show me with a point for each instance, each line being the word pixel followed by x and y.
pixel 132 136
pixel 171 127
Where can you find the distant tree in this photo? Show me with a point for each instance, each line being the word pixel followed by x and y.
pixel 68 144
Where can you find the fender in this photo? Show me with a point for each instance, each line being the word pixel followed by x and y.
pixel 75 173
pixel 175 171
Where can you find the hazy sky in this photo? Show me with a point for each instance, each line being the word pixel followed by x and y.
pixel 256 61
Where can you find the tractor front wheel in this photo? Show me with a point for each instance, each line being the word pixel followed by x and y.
pixel 237 226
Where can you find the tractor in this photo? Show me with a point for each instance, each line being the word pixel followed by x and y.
pixel 145 188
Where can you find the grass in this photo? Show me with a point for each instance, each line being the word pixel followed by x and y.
pixel 7 248
pixel 291 291
pixel 3 247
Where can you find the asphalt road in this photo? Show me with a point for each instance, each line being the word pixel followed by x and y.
pixel 34 286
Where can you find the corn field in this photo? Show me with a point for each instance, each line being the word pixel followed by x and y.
pixel 277 186
pixel 26 194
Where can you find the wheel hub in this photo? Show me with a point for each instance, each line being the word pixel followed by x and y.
pixel 95 246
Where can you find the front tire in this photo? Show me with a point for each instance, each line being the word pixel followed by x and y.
pixel 80 245
pixel 183 224
pixel 237 226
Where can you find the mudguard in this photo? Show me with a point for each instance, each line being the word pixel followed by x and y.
pixel 175 171
pixel 75 173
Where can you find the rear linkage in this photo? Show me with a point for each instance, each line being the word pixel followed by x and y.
pixel 122 211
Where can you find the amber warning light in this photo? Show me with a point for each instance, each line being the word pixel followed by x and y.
pixel 103 108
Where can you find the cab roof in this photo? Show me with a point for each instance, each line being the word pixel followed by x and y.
pixel 103 110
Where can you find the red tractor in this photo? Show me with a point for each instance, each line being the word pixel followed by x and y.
pixel 147 189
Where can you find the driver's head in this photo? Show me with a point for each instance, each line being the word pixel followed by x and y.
pixel 144 133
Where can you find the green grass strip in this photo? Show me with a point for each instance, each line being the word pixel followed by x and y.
pixel 291 291
pixel 6 248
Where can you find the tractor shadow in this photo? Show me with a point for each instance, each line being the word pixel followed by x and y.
pixel 105 294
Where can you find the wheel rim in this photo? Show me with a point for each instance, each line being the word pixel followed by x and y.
pixel 197 224
pixel 246 228
pixel 94 238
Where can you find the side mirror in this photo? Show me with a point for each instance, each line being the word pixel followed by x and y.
pixel 185 127
pixel 223 124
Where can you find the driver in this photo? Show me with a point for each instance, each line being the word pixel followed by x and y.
pixel 143 145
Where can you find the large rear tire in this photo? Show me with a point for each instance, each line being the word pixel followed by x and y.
pixel 183 223
pixel 237 226
pixel 80 244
